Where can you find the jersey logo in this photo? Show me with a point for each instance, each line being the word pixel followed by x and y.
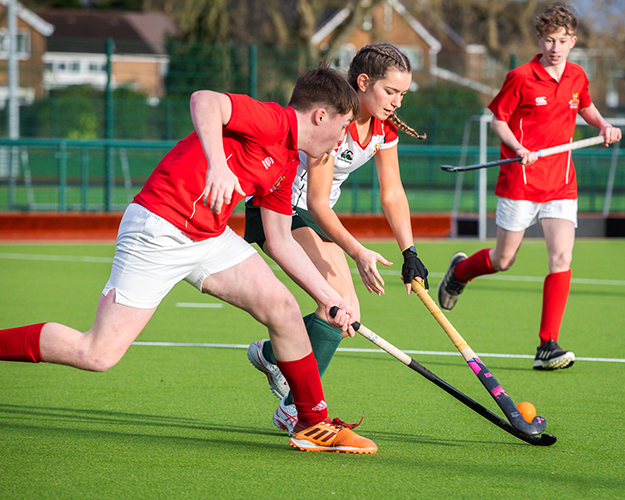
pixel 277 184
pixel 267 162
pixel 574 102
pixel 347 156
pixel 541 101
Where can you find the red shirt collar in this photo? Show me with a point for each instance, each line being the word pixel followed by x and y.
pixel 540 71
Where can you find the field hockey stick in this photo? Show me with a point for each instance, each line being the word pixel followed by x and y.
pixel 533 428
pixel 543 440
pixel 584 143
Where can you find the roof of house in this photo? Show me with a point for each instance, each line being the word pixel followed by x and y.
pixel 435 32
pixel 30 18
pixel 86 31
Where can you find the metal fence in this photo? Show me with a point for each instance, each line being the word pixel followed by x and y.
pixel 104 175
pixel 64 163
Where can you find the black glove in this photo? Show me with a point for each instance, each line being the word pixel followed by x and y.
pixel 413 267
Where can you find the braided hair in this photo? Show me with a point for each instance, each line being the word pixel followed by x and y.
pixel 374 60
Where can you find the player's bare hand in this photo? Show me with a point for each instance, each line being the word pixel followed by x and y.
pixel 221 184
pixel 527 157
pixel 342 317
pixel 611 135
pixel 366 262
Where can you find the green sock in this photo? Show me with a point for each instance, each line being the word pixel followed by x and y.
pixel 325 340
pixel 268 352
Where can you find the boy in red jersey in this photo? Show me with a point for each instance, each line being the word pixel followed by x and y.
pixel 176 229
pixel 535 109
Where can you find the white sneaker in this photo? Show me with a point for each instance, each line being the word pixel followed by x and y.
pixel 277 383
pixel 285 417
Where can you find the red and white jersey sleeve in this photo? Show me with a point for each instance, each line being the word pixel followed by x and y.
pixel 350 155
pixel 260 143
pixel 541 112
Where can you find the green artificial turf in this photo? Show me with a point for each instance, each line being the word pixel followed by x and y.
pixel 195 422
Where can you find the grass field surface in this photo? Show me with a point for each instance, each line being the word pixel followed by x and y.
pixel 184 414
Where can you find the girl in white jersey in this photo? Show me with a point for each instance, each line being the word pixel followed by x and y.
pixel 381 75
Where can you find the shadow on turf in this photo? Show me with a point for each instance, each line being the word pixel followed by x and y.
pixel 380 436
pixel 113 419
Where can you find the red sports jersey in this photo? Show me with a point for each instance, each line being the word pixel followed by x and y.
pixel 541 113
pixel 260 142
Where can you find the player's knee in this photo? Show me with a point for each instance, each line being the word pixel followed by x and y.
pixel 95 359
pixel 560 262
pixel 281 307
pixel 101 363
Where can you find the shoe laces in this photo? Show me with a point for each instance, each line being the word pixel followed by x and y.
pixel 337 422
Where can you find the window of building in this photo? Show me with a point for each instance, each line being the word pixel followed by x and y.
pixel 415 55
pixel 23 44
pixel 343 57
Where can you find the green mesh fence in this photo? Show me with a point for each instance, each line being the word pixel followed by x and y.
pixel 62 161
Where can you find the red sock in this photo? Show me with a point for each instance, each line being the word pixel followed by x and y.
pixel 21 344
pixel 476 265
pixel 303 378
pixel 555 294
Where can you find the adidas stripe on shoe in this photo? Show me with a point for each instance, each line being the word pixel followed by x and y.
pixel 285 417
pixel 332 435
pixel 550 356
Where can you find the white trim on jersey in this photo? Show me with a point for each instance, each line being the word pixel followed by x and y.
pixel 348 157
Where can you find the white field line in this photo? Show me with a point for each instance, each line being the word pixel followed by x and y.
pixel 56 258
pixel 387 272
pixel 368 351
pixel 502 277
pixel 199 305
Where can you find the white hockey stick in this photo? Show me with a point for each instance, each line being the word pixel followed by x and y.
pixel 584 143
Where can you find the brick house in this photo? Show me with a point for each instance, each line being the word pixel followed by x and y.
pixel 436 52
pixel 77 49
pixel 32 32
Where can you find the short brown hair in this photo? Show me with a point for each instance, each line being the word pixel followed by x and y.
pixel 557 16
pixel 324 87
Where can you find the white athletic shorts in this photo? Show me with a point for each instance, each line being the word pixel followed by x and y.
pixel 152 255
pixel 518 215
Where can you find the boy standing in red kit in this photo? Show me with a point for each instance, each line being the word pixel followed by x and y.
pixel 535 109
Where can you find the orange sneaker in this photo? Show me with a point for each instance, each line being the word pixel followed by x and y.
pixel 331 435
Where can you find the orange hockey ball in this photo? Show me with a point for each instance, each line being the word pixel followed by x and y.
pixel 527 410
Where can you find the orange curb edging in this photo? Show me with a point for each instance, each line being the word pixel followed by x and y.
pixel 40 226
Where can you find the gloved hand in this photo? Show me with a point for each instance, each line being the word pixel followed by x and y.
pixel 413 267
